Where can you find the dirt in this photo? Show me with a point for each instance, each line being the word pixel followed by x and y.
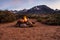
pixel 40 32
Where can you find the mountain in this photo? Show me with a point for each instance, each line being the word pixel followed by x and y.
pixel 22 11
pixel 38 10
pixel 57 11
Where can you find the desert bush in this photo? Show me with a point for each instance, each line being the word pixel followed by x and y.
pixel 42 19
pixel 33 16
pixel 7 16
pixel 52 19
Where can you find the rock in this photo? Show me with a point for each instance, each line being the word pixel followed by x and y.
pixel 23 25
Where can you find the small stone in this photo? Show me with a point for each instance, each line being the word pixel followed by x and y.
pixel 23 25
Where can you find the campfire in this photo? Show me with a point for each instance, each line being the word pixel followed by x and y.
pixel 24 22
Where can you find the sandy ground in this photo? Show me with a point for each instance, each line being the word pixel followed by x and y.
pixel 39 32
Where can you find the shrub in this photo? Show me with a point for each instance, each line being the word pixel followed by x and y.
pixel 52 19
pixel 7 16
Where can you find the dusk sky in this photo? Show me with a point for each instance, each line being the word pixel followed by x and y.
pixel 26 4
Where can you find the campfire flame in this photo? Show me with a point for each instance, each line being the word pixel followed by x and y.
pixel 24 22
pixel 25 19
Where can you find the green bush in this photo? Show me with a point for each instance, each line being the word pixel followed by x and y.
pixel 33 16
pixel 7 16
pixel 52 19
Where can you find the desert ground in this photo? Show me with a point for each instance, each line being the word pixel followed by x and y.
pixel 40 32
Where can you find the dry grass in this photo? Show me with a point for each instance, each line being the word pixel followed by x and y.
pixel 39 32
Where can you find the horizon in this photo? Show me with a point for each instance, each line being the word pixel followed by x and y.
pixel 27 4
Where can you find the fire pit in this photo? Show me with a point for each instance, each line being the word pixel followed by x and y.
pixel 25 22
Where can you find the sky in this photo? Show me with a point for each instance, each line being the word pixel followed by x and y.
pixel 27 4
